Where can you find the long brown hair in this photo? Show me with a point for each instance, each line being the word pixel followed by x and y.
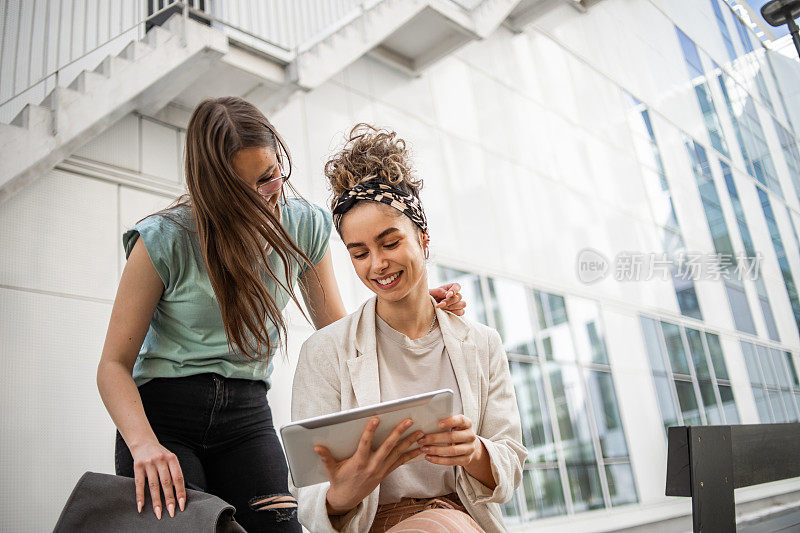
pixel 234 224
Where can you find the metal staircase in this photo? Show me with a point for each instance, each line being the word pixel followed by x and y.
pixel 196 54
pixel 145 76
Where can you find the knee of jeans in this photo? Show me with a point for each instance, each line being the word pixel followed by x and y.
pixel 283 505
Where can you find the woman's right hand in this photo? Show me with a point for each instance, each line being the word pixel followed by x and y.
pixel 161 470
pixel 355 478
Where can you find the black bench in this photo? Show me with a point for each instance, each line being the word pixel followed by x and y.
pixel 708 462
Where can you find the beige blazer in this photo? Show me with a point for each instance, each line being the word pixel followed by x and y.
pixel 338 369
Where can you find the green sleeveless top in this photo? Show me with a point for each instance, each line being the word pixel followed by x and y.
pixel 186 334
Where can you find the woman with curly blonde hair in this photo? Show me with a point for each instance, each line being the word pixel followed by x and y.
pixel 398 344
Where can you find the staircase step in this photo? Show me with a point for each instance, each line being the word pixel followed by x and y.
pixel 134 51
pixel 110 65
pixel 157 36
pixel 58 101
pixel 60 96
pixel 87 81
pixel 174 24
pixel 34 117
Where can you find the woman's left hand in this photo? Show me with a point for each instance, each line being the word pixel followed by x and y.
pixel 456 444
pixel 448 297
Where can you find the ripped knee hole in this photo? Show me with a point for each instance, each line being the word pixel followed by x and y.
pixel 276 502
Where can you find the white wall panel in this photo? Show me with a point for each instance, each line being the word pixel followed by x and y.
pixel 328 123
pixel 134 205
pixel 160 151
pixel 55 427
pixel 454 108
pixel 59 234
pixel 119 145
pixel 412 95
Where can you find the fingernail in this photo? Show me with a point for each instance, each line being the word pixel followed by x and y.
pixel 139 507
pixel 171 509
pixel 408 423
pixel 158 512
pixel 374 422
pixel 426 449
pixel 182 503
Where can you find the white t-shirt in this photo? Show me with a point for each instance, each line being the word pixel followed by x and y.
pixel 407 367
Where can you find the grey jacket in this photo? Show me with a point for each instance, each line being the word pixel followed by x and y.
pixel 338 369
pixel 103 502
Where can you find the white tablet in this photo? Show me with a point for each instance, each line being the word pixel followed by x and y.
pixel 340 432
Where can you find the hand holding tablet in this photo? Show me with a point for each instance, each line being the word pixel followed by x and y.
pixel 352 479
pixel 341 434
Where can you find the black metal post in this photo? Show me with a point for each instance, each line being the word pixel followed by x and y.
pixel 795 31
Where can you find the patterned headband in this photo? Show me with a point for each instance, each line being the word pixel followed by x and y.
pixel 377 191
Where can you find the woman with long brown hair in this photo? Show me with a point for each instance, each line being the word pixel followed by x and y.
pixel 198 318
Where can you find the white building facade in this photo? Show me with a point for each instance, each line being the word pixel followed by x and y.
pixel 614 183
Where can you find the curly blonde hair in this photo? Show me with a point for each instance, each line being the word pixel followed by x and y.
pixel 371 153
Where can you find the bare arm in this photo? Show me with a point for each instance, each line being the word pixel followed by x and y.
pixel 321 296
pixel 139 291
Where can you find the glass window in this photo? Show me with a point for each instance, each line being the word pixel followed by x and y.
pixel 652 342
pixel 723 29
pixel 660 197
pixel 728 405
pixel 606 414
pixel 790 153
pixel 788 402
pixel 537 430
pixel 512 315
pixel 792 370
pixel 698 353
pixel 717 359
pixel 551 309
pixel 780 371
pixel 544 495
pixel 584 484
pixel 762 405
pixel 584 315
pixel 751 361
pixel 749 133
pixel 777 406
pixel 690 54
pixel 752 66
pixel 740 307
pixel 570 406
pixel 766 366
pixel 702 93
pixel 713 413
pixel 470 291
pixel 688 403
pixel 780 252
pixel 665 402
pixel 621 485
pixel 720 236
pixel 747 240
pixel 675 350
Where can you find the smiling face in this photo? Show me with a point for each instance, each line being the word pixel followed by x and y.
pixel 386 251
pixel 259 168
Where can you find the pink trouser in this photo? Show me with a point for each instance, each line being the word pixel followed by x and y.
pixel 442 514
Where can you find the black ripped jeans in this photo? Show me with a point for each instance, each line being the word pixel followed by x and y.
pixel 221 431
